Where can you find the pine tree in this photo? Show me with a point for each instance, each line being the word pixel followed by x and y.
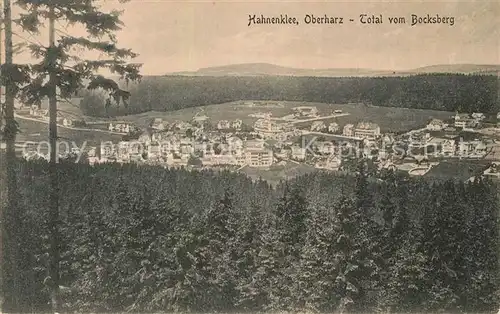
pixel 357 262
pixel 216 286
pixel 318 268
pixel 246 250
pixel 292 214
pixel 269 289
pixel 481 254
pixel 67 74
pixel 13 75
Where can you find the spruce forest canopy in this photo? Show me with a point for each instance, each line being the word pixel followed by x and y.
pixel 447 92
pixel 144 239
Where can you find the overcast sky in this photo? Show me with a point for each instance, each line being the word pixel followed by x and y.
pixel 187 35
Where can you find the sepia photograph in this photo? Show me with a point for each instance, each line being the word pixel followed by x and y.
pixel 262 156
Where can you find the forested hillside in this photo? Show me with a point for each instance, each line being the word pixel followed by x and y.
pixel 448 92
pixel 144 239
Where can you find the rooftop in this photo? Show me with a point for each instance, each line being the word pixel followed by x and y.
pixel 366 126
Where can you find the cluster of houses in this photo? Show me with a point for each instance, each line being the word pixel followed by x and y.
pixel 226 125
pixel 120 127
pixel 182 143
pixel 320 126
pixel 305 112
pixel 362 130
pixel 272 141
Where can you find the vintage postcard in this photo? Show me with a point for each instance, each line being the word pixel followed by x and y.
pixel 274 156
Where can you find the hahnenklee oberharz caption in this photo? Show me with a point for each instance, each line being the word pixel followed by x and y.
pixel 363 18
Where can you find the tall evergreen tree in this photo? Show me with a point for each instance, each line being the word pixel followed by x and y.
pixel 314 287
pixel 292 216
pixel 12 76
pixel 67 74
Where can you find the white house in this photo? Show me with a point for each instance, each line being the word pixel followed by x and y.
pixel 199 118
pixel 348 130
pixel 223 124
pixel 67 122
pixel 157 124
pixel 448 147
pixel 367 130
pixel 298 153
pixel 236 124
pixel 436 125
pixel 318 126
pixel 463 120
pixel 332 163
pixel 305 111
pixel 478 116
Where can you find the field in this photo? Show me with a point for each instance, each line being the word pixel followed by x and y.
pixel 390 119
pixel 458 169
pixel 38 131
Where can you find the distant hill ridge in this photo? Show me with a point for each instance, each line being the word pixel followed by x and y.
pixel 267 69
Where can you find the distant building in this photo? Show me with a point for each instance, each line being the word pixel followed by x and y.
pixel 92 151
pixel 436 125
pixel 305 111
pixel 318 126
pixel 367 130
pixel 119 127
pixel 493 170
pixel 270 129
pixel 157 124
pixel 463 120
pixel 145 137
pixel 298 153
pixel 332 163
pixel 36 112
pixel 333 127
pixel 448 148
pixel 67 122
pixel 154 151
pixel 223 124
pixel 181 125
pixel 257 155
pixel 236 124
pixel 478 116
pixel 348 130
pixel 108 151
pixel 199 118
pixel 475 147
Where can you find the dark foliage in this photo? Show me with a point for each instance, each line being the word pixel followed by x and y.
pixel 448 92
pixel 145 239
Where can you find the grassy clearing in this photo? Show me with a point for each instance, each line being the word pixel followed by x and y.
pixel 277 172
pixel 458 169
pixel 389 119
pixel 38 131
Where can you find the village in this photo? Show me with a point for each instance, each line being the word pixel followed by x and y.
pixel 304 136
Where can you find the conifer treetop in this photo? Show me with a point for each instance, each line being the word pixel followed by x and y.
pixel 66 57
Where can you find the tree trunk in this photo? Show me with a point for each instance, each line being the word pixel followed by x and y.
pixel 53 222
pixel 10 240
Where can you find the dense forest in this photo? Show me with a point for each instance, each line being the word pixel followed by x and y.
pixel 448 92
pixel 142 239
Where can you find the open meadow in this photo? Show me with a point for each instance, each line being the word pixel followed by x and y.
pixel 276 173
pixel 390 119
